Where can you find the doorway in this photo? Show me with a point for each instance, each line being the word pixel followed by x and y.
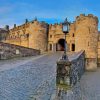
pixel 60 46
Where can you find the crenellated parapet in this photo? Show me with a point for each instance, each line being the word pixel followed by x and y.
pixel 31 34
pixel 89 17
pixel 54 26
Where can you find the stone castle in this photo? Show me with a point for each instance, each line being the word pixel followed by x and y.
pixel 83 35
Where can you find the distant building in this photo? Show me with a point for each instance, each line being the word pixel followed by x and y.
pixel 3 33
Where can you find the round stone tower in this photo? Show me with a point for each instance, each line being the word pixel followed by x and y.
pixel 38 37
pixel 86 38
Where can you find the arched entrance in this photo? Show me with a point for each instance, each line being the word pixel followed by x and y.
pixel 60 45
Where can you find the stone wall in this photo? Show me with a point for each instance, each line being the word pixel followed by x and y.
pixel 32 34
pixel 10 51
pixel 77 67
pixel 56 33
pixel 86 38
pixel 70 72
pixel 99 51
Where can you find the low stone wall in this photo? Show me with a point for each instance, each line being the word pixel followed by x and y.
pixel 8 51
pixel 70 72
pixel 77 68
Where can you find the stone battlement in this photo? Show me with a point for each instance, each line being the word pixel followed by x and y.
pixel 27 25
pixel 83 16
pixel 55 24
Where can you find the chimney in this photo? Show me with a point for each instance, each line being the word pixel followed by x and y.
pixel 14 25
pixel 35 19
pixel 26 20
pixel 7 27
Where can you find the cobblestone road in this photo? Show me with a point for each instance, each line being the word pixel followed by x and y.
pixel 29 80
pixel 90 85
pixel 34 79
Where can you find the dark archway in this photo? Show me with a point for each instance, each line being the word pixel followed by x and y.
pixel 60 45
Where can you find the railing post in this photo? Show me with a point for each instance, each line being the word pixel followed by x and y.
pixel 63 74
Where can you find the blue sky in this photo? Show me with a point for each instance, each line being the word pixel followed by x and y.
pixel 51 11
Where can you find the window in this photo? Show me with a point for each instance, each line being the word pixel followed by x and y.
pixel 73 35
pixel 50 36
pixel 27 35
pixel 88 43
pixel 50 46
pixel 73 47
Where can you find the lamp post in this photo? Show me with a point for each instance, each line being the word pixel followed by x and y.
pixel 65 29
pixel 63 66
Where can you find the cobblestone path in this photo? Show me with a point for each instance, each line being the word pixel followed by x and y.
pixel 90 85
pixel 34 79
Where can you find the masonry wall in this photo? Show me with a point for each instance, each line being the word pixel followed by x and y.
pixel 70 72
pixel 77 67
pixel 56 33
pixel 8 51
pixel 87 39
pixel 31 34
pixel 99 53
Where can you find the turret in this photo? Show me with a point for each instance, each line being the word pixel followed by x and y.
pixel 26 20
pixel 86 38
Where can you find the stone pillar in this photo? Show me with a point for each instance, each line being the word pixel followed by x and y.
pixel 54 47
pixel 63 74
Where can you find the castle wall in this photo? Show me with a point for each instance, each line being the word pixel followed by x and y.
pixel 72 35
pixel 39 39
pixel 87 39
pixel 56 33
pixel 98 49
pixel 83 35
pixel 98 53
pixel 31 34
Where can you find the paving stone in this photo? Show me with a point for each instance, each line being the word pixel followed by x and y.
pixel 35 80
